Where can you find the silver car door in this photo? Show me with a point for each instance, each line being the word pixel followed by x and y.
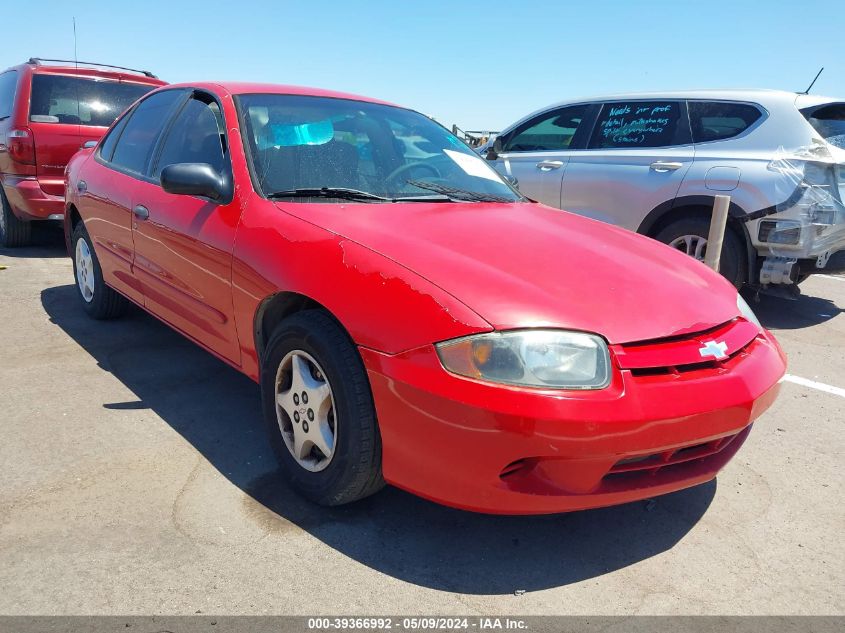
pixel 536 152
pixel 637 157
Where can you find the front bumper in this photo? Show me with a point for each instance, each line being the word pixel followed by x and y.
pixel 504 450
pixel 29 201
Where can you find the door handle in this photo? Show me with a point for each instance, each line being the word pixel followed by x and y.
pixel 664 166
pixel 82 186
pixel 548 165
pixel 141 212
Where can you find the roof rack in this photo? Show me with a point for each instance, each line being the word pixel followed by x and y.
pixel 40 60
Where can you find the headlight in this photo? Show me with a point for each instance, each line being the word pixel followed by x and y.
pixel 746 311
pixel 531 358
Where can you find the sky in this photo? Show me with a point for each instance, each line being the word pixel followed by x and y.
pixel 480 65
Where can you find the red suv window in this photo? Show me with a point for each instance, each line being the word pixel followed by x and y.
pixel 81 101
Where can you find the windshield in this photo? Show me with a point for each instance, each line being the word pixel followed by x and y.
pixel 829 122
pixel 303 143
pixel 63 99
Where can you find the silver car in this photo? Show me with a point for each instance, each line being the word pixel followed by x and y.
pixel 654 162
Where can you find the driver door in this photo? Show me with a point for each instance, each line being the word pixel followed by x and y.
pixel 537 152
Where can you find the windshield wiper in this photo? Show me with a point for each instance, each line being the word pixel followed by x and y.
pixel 457 194
pixel 328 192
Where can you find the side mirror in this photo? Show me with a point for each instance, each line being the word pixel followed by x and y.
pixel 89 144
pixel 495 149
pixel 512 181
pixel 194 179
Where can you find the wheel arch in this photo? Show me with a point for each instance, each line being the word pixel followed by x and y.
pixel 72 218
pixel 701 206
pixel 274 308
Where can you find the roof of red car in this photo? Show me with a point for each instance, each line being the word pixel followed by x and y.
pixel 239 88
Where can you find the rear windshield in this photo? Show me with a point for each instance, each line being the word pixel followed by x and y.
pixel 829 122
pixel 63 99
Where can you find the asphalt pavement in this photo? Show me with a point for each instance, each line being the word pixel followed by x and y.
pixel 136 479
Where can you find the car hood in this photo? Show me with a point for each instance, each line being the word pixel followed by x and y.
pixel 527 265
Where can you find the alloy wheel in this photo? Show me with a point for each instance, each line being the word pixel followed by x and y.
pixel 84 270
pixel 305 410
pixel 692 245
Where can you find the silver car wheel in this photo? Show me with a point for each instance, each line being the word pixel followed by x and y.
pixel 305 411
pixel 84 270
pixel 692 245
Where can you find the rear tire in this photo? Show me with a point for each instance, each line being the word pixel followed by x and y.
pixel 312 378
pixel 98 300
pixel 686 234
pixel 13 232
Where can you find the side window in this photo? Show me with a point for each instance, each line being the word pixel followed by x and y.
pixel 197 135
pixel 8 83
pixel 107 146
pixel 142 129
pixel 549 132
pixel 714 120
pixel 639 124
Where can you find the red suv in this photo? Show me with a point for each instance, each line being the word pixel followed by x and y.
pixel 48 109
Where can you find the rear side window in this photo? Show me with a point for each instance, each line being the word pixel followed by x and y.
pixel 107 146
pixel 829 122
pixel 196 136
pixel 715 121
pixel 64 99
pixel 639 124
pixel 8 83
pixel 141 131
pixel 549 132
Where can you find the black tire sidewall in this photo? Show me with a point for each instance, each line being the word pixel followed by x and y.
pixel 316 334
pixel 732 264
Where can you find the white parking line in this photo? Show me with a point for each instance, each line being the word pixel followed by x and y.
pixel 836 277
pixel 812 384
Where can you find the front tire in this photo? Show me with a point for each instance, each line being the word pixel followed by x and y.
pixel 98 300
pixel 689 235
pixel 13 232
pixel 319 412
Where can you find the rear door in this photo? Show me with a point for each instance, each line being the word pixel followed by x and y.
pixel 108 186
pixel 67 110
pixel 536 152
pixel 183 247
pixel 636 159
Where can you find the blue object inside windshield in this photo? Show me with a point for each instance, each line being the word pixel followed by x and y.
pixel 286 135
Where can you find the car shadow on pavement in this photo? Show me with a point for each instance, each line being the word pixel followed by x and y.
pixel 48 240
pixel 804 311
pixel 218 411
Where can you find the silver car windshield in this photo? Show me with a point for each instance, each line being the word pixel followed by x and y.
pixel 310 149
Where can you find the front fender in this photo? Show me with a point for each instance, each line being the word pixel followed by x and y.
pixel 383 305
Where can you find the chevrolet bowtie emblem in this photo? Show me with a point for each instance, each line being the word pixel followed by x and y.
pixel 716 350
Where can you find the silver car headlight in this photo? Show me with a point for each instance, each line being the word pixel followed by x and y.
pixel 555 359
pixel 746 311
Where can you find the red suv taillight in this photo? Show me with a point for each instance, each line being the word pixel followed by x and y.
pixel 21 145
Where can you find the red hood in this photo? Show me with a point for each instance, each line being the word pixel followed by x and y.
pixel 527 265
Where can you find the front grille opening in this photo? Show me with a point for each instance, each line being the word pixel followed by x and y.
pixel 658 462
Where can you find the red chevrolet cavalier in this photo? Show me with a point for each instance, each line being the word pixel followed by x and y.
pixel 410 317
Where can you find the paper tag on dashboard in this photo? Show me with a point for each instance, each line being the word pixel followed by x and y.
pixel 473 165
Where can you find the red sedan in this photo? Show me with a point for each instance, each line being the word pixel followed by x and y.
pixel 410 317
